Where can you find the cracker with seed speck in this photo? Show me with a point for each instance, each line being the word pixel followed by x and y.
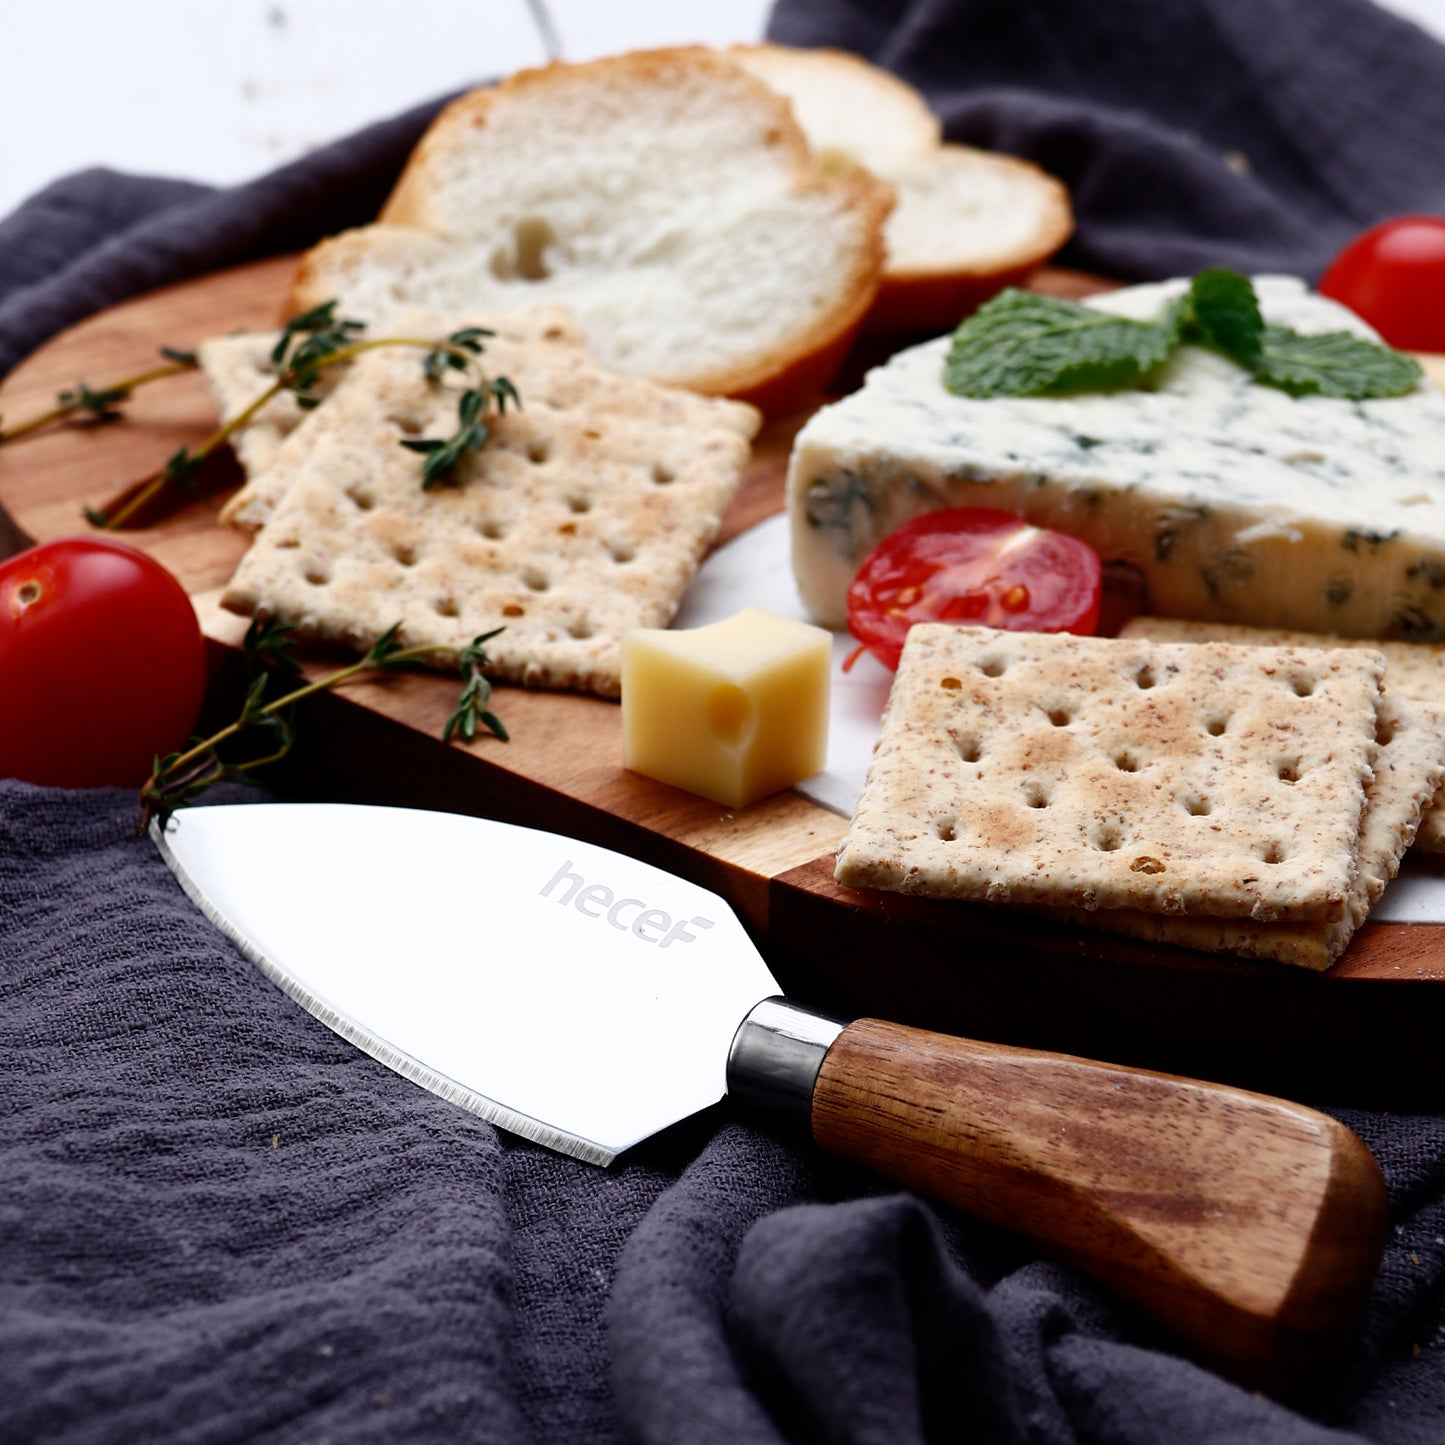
pixel 239 368
pixel 1409 767
pixel 586 513
pixel 1053 770
pixel 1414 670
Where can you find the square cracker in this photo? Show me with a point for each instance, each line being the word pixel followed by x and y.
pixel 1409 767
pixel 1053 770
pixel 239 368
pixel 1414 670
pixel 586 513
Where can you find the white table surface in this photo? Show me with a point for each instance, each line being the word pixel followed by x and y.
pixel 222 90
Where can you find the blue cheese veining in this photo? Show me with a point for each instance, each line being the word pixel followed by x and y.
pixel 1232 501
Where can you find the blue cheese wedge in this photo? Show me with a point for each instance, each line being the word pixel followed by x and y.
pixel 1232 501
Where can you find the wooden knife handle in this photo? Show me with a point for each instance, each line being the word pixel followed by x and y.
pixel 1249 1227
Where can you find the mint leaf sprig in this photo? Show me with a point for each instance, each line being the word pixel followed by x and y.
pixel 1020 344
pixel 267 724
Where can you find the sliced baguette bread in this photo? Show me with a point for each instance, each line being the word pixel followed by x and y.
pixel 967 222
pixel 853 112
pixel 668 198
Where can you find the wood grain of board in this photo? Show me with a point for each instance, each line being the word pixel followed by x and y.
pixel 1365 1030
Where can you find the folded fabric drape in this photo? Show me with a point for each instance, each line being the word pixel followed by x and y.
pixel 219 1222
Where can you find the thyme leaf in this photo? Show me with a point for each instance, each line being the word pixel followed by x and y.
pixel 471 710
pixel 307 345
pixel 101 403
pixel 459 353
pixel 267 727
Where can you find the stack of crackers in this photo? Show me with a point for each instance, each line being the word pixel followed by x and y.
pixel 1251 798
pixel 585 513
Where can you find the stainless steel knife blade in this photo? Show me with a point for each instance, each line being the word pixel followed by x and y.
pixel 586 1000
pixel 424 938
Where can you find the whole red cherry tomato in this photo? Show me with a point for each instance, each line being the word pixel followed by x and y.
pixel 973 565
pixel 1394 277
pixel 102 664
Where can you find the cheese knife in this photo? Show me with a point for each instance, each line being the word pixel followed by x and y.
pixel 585 1000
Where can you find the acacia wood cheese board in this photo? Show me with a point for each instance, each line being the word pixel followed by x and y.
pixel 1365 1032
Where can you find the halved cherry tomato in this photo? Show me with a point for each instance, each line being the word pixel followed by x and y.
pixel 1394 277
pixel 102 664
pixel 973 565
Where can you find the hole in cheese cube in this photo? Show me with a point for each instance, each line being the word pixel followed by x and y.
pixel 732 711
pixel 729 710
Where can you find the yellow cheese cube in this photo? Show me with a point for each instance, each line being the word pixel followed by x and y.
pixel 732 711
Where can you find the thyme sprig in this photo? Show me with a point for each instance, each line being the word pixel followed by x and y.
pixel 268 725
pixel 101 402
pixel 317 336
pixel 309 344
pixel 441 457
pixel 471 710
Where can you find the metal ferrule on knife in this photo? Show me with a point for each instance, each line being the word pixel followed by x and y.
pixel 775 1057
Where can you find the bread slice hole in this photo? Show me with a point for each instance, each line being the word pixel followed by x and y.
pixel 404 554
pixel 514 609
pixel 621 552
pixel 946 829
pixel 1302 683
pixel 662 474
pixel 992 667
pixel 579 502
pixel 446 607
pixel 286 544
pixel 535 579
pixel 1384 731
pixel 969 748
pixel 950 684
pixel 1145 677
pixel 1107 838
pixel 1216 725
pixel 1036 796
pixel 492 528
pixel 1144 863
pixel 831 161
pixel 1287 770
pixel 538 451
pixel 580 629
pixel 406 425
pixel 317 577
pixel 526 259
pixel 1061 717
pixel 364 500
pixel 1272 853
pixel 1197 807
pixel 1126 762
